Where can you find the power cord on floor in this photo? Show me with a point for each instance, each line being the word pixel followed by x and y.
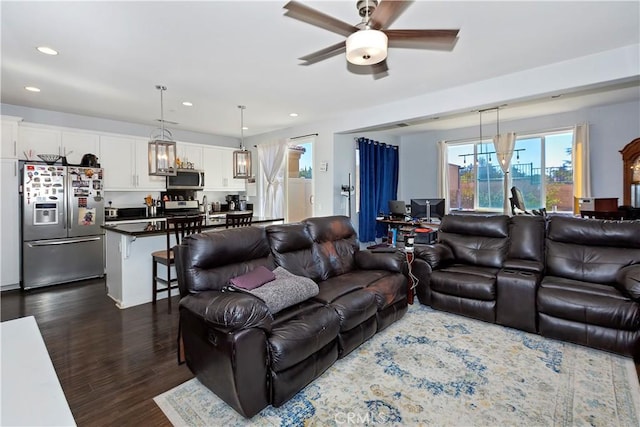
pixel 410 256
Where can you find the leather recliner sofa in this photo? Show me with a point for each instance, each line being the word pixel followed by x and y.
pixel 566 278
pixel 251 357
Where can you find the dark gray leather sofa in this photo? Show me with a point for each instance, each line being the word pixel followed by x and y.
pixel 252 358
pixel 567 278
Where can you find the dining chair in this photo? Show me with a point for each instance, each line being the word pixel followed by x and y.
pixel 239 219
pixel 179 226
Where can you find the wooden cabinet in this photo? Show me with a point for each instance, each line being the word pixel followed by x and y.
pixel 631 172
pixel 9 143
pixel 126 165
pixel 218 170
pixel 9 225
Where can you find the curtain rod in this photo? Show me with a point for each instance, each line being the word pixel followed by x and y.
pixel 304 136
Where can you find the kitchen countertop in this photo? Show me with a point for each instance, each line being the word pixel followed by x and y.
pixel 157 226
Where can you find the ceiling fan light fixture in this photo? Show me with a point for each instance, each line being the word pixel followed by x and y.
pixel 367 47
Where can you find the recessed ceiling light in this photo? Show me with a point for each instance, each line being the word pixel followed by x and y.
pixel 245 128
pixel 187 104
pixel 293 115
pixel 47 50
pixel 32 89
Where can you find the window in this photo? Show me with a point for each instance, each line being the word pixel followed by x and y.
pixel 540 167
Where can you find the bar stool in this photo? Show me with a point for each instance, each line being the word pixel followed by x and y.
pixel 239 219
pixel 180 226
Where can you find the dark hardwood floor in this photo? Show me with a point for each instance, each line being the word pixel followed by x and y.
pixel 110 362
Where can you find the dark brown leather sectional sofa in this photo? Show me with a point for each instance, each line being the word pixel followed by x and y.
pixel 566 278
pixel 252 358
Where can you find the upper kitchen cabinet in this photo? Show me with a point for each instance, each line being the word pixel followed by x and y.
pixel 218 170
pixel 126 165
pixel 189 153
pixel 9 143
pixel 35 139
pixel 77 144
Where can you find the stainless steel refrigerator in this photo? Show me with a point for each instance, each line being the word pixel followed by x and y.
pixel 62 214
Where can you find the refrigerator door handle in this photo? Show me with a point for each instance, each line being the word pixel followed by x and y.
pixel 60 242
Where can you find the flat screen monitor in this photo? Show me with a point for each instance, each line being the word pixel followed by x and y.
pixel 397 208
pixel 419 208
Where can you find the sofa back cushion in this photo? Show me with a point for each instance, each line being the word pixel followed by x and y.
pixel 475 239
pixel 318 248
pixel 591 250
pixel 526 242
pixel 207 261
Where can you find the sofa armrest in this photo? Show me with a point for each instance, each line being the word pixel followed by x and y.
pixel 437 256
pixel 229 311
pixel 628 281
pixel 391 261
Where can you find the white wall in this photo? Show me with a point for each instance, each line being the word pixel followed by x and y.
pixel 611 128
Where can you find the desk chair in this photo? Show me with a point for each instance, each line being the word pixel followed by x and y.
pixel 517 202
pixel 180 226
pixel 239 219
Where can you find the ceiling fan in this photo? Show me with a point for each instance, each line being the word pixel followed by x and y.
pixel 367 42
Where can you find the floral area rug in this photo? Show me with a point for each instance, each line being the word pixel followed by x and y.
pixel 440 369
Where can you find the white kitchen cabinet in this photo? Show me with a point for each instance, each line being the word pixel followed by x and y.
pixel 191 153
pixel 9 143
pixel 218 170
pixel 9 225
pixel 227 171
pixel 144 181
pixel 212 166
pixel 34 140
pixel 126 165
pixel 74 145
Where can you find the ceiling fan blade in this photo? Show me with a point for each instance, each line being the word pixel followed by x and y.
pixel 423 39
pixel 311 16
pixel 323 54
pixel 443 35
pixel 386 12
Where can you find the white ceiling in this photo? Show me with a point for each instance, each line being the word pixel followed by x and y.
pixel 219 54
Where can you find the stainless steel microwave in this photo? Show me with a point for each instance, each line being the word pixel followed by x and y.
pixel 186 179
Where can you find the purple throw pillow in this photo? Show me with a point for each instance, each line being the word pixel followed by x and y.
pixel 254 278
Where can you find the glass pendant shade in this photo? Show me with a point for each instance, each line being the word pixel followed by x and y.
pixel 242 164
pixel 162 158
pixel 367 47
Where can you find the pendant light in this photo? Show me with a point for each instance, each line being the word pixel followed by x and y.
pixel 162 147
pixel 242 157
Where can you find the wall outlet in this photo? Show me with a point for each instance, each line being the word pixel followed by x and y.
pixel 324 166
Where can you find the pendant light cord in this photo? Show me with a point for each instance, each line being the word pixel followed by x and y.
pixel 241 107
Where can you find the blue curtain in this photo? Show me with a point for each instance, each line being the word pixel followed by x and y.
pixel 378 185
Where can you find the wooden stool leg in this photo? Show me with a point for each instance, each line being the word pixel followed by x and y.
pixel 154 283
pixel 169 285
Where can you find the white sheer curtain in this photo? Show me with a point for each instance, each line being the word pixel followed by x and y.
pixel 272 158
pixel 504 146
pixel 580 162
pixel 443 174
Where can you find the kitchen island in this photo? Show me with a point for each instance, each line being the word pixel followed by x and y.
pixel 128 256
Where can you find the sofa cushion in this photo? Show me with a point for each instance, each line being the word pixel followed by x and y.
pixel 300 331
pixel 580 231
pixel 588 303
pixel 466 283
pixel 597 264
